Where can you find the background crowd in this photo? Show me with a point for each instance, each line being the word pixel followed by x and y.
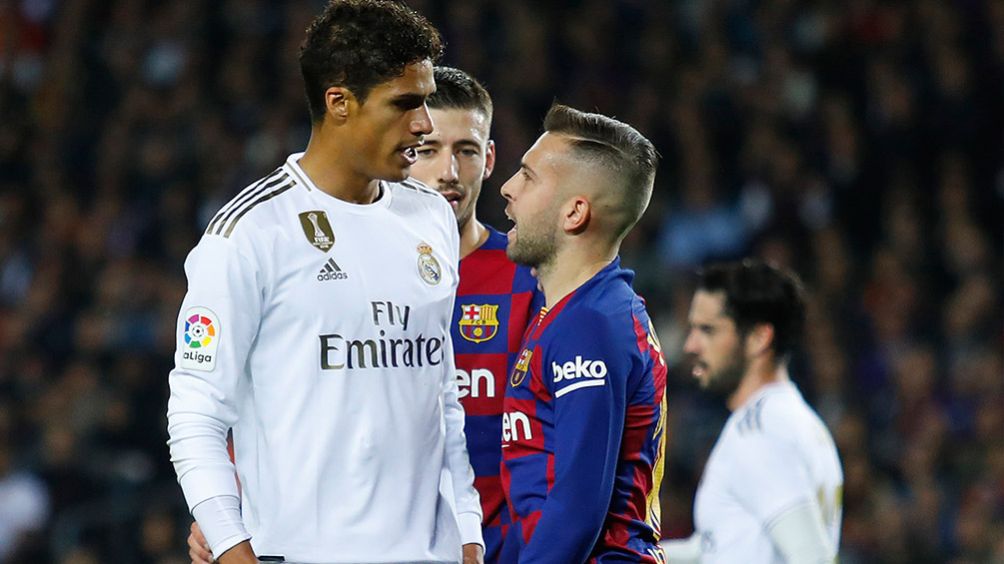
pixel 859 142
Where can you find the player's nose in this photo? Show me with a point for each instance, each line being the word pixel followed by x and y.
pixel 449 169
pixel 508 188
pixel 421 123
pixel 691 345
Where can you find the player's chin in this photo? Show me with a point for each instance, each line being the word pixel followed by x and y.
pixel 396 173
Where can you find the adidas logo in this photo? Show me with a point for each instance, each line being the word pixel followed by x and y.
pixel 331 271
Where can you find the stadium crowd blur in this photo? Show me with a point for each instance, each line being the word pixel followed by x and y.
pixel 858 142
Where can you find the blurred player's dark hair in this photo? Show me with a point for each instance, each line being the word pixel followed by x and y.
pixel 757 292
pixel 457 90
pixel 617 148
pixel 359 44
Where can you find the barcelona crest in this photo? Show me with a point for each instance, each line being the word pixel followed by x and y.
pixel 479 323
pixel 520 369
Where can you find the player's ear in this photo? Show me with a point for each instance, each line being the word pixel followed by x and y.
pixel 338 101
pixel 576 215
pixel 489 159
pixel 759 339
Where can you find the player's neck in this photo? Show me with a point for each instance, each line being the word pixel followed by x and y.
pixel 761 373
pixel 473 234
pixel 324 162
pixel 572 267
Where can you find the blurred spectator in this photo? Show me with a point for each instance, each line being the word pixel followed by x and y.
pixel 24 502
pixel 860 143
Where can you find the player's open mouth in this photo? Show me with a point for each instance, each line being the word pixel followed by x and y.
pixel 409 154
pixel 453 197
pixel 512 231
pixel 699 369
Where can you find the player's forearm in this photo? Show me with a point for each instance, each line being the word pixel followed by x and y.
pixel 199 454
pixel 572 517
pixel 457 462
pixel 588 427
pixel 240 554
pixel 800 535
pixel 567 530
pixel 219 519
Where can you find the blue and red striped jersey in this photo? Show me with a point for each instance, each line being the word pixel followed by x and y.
pixel 582 430
pixel 495 299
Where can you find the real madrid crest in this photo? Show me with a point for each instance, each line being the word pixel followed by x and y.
pixel 520 369
pixel 317 229
pixel 428 266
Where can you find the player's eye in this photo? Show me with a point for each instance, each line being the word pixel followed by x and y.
pixel 408 103
pixel 470 153
pixel 425 152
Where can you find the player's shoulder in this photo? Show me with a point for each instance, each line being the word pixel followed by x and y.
pixel 585 316
pixel 605 305
pixel 779 413
pixel 589 325
pixel 240 216
pixel 413 190
pixel 414 201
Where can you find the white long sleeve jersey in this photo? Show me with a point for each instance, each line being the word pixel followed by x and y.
pixel 773 455
pixel 319 331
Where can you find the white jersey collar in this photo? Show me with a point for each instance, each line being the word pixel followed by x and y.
pixel 293 165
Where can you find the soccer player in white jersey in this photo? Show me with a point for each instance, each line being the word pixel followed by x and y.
pixel 771 489
pixel 317 325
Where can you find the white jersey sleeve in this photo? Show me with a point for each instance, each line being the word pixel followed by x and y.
pixel 457 462
pixel 769 476
pixel 800 535
pixel 217 324
pixel 774 459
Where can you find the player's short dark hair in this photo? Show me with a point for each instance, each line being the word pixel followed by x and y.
pixel 457 90
pixel 359 44
pixel 615 146
pixel 757 292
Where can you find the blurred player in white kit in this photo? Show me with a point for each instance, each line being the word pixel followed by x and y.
pixel 772 487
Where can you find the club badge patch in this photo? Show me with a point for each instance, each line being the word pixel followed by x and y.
pixel 479 323
pixel 200 336
pixel 318 230
pixel 522 366
pixel 428 266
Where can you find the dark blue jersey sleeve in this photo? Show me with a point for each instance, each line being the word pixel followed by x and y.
pixel 586 365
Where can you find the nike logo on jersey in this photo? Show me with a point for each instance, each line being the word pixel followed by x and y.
pixel 331 271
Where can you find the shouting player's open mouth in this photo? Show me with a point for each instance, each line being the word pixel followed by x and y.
pixel 699 369
pixel 454 197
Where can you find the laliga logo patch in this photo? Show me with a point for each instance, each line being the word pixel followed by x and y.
pixel 428 266
pixel 479 323
pixel 201 336
pixel 522 366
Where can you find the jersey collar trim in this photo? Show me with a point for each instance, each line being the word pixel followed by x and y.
pixel 293 166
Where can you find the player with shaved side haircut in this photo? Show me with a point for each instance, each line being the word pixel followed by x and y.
pixel 585 405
